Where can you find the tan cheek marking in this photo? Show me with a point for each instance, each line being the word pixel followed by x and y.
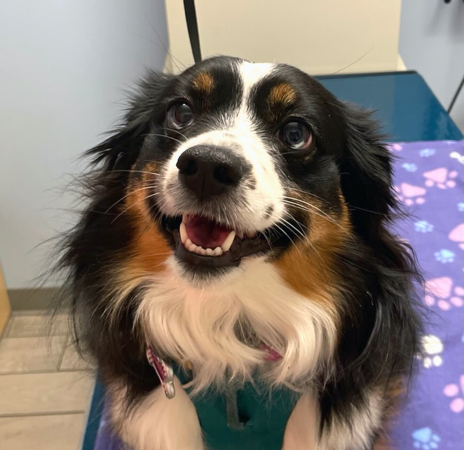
pixel 204 82
pixel 308 266
pixel 149 249
pixel 282 94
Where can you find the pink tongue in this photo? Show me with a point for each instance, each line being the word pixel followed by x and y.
pixel 204 232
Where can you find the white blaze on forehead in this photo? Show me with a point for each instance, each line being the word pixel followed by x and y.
pixel 238 131
pixel 251 74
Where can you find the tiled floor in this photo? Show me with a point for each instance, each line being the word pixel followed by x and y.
pixel 45 388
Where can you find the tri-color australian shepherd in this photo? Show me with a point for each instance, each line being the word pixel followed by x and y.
pixel 235 275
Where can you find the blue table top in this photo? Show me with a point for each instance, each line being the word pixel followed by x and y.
pixel 408 111
pixel 404 104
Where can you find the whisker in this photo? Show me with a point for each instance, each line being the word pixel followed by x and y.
pixel 310 194
pixel 179 132
pixel 135 171
pixel 164 136
pixel 131 206
pixel 127 195
pixel 308 208
pixel 299 232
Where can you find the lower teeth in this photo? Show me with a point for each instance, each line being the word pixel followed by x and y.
pixel 218 251
pixel 191 247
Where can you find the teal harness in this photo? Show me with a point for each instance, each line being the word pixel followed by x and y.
pixel 247 418
pixel 251 418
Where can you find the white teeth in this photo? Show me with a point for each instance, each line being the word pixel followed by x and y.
pixel 228 242
pixel 183 233
pixel 218 251
pixel 250 234
pixel 191 247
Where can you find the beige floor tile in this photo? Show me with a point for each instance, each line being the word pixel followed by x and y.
pixel 72 361
pixel 45 392
pixel 61 432
pixel 33 354
pixel 39 325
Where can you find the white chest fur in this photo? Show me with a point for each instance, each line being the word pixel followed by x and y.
pixel 200 324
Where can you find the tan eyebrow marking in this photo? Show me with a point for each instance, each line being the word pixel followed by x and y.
pixel 282 93
pixel 204 82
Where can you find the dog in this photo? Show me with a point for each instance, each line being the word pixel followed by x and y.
pixel 237 249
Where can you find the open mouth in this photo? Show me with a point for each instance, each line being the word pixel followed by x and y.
pixel 200 241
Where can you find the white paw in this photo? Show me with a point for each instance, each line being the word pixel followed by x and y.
pixel 432 347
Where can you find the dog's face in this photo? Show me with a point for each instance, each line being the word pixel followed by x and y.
pixel 240 161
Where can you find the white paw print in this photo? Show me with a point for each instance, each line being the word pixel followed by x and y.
pixel 432 348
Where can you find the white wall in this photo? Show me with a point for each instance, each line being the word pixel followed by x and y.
pixel 63 68
pixel 318 36
pixel 432 42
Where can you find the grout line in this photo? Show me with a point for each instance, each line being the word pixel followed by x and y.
pixel 38 313
pixel 60 359
pixel 88 370
pixel 51 413
pixel 9 325
pixel 32 372
pixel 43 335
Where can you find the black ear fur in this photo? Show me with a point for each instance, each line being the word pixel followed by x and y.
pixel 366 172
pixel 125 141
pixel 380 331
pixel 89 251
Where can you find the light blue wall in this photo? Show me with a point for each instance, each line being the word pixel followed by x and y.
pixel 63 70
pixel 432 42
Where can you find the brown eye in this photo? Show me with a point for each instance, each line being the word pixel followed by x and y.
pixel 180 115
pixel 296 135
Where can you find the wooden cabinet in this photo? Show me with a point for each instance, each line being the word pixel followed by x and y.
pixel 5 308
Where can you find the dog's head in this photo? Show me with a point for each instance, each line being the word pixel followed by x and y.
pixel 239 204
pixel 231 161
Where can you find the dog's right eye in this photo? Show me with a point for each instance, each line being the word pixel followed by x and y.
pixel 180 115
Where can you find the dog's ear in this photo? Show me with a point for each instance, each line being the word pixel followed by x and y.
pixel 122 146
pixel 366 174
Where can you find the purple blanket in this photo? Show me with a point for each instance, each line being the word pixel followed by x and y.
pixel 429 180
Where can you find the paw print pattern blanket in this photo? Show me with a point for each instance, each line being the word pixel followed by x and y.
pixel 429 181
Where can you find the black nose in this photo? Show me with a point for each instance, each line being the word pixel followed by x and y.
pixel 209 171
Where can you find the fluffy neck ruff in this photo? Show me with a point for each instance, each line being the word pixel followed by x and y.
pixel 219 328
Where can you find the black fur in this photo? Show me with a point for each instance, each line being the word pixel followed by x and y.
pixel 379 327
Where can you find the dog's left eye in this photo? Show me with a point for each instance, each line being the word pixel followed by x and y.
pixel 296 135
pixel 180 115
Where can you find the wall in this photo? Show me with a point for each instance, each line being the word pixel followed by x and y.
pixel 64 67
pixel 317 36
pixel 432 42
